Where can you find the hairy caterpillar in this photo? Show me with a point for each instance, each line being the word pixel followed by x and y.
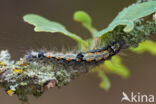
pixel 81 61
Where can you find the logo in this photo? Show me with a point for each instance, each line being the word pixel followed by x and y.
pixel 138 97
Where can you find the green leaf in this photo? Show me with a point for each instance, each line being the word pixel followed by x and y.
pixel 83 17
pixel 128 15
pixel 147 45
pixel 115 66
pixel 85 20
pixel 44 25
pixel 105 83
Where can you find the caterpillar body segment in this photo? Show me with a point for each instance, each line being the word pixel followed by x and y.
pixel 81 60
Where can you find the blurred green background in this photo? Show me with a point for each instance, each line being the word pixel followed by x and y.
pixel 18 37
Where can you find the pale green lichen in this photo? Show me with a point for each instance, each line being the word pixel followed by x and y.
pixel 23 78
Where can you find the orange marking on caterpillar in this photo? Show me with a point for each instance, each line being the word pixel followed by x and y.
pixel 69 59
pixel 103 51
pixel 98 59
pixel 89 60
pixel 78 60
pixel 106 56
pixel 49 56
pixel 59 58
pixel 96 53
pixel 88 53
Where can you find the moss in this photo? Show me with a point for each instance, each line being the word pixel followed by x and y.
pixel 142 30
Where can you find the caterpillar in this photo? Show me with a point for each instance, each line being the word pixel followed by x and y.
pixel 80 60
pixel 41 70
